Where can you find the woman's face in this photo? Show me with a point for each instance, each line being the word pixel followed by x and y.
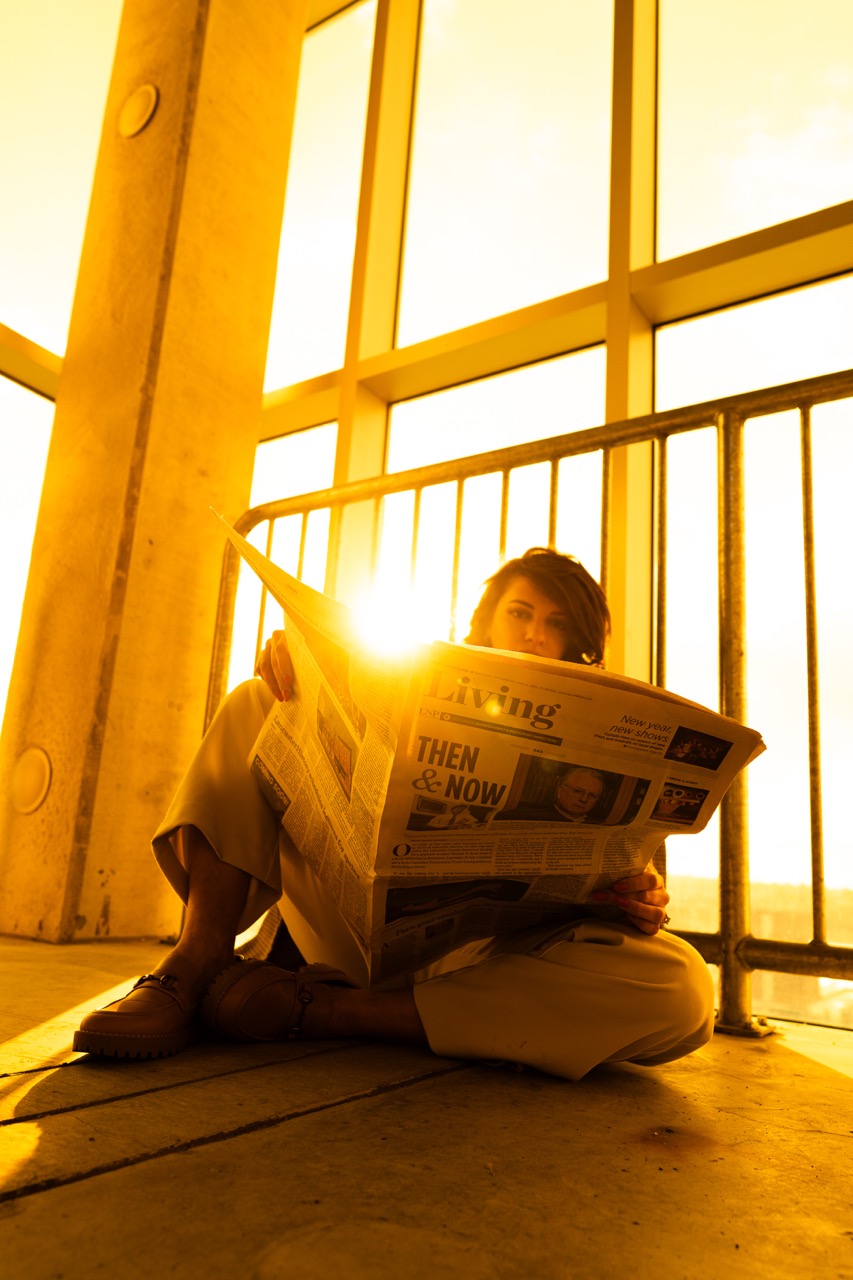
pixel 527 621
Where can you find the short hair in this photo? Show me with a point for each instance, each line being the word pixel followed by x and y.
pixel 580 768
pixel 568 583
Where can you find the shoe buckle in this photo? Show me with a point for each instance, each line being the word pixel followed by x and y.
pixel 166 980
pixel 304 995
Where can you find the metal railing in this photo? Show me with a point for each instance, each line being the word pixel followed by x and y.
pixel 732 947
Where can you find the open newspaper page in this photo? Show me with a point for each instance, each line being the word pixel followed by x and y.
pixel 463 792
pixel 523 785
pixel 323 758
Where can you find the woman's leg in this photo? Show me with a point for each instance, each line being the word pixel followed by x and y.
pixel 219 798
pixel 568 999
pixel 218 847
pixel 562 1000
pixel 216 899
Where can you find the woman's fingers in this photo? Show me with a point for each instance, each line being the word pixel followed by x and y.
pixel 643 898
pixel 646 916
pixel 282 666
pixel 275 668
pixel 637 884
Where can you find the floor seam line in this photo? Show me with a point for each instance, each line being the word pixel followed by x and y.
pixel 255 1126
pixel 178 1084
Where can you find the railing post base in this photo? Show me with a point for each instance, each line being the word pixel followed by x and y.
pixel 752 1029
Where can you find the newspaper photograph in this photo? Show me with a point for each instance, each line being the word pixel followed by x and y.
pixel 457 792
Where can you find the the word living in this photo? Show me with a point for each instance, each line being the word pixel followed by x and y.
pixel 497 702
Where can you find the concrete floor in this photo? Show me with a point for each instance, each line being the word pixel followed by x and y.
pixel 326 1161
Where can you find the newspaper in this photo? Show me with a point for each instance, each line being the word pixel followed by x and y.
pixel 459 792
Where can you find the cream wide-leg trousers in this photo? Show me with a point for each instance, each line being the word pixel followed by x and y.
pixel 562 999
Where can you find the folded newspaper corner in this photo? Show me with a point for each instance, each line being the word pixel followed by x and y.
pixel 456 792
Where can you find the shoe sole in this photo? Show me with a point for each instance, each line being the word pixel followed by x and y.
pixel 137 1047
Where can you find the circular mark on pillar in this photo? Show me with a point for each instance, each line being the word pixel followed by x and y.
pixel 138 110
pixel 31 780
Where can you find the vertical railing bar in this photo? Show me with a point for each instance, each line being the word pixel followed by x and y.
pixel 303 537
pixel 259 639
pixel 376 535
pixel 416 524
pixel 815 797
pixel 735 983
pixel 457 550
pixel 553 498
pixel 504 515
pixel 222 635
pixel 333 547
pixel 605 519
pixel 660 499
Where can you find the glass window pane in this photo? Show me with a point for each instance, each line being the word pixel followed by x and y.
pixel 286 541
pixel 692 877
pixel 794 335
pixel 510 169
pixel 787 337
pixel 692 660
pixel 527 513
pixel 766 86
pixel 827 1002
pixel 433 580
pixel 55 63
pixel 832 465
pixel 551 398
pixel 386 606
pixel 250 613
pixel 540 400
pixel 777 698
pixel 301 462
pixel 312 292
pixel 692 624
pixel 479 547
pixel 579 509
pixel 394 562
pixel 316 550
pixel 25 425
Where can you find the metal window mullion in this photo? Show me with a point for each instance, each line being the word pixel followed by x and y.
pixel 815 798
pixel 735 986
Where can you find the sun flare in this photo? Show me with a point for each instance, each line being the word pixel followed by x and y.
pixel 393 623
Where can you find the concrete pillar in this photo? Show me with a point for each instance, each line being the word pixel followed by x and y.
pixel 156 420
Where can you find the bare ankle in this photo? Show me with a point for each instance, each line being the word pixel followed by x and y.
pixel 375 1015
pixel 199 965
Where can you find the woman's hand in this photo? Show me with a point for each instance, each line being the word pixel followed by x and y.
pixel 275 668
pixel 643 898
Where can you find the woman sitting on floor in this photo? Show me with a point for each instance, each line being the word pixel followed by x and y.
pixel 563 997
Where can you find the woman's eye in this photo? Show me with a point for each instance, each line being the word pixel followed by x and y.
pixel 560 624
pixel 521 615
